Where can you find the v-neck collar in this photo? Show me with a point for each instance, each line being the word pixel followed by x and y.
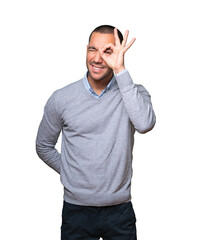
pixel 92 92
pixel 114 86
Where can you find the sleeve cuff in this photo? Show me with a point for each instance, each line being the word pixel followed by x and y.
pixel 121 72
pixel 123 79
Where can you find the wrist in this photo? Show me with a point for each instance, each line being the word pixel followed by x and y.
pixel 118 70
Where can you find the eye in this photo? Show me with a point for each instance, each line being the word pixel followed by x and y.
pixel 91 49
pixel 109 52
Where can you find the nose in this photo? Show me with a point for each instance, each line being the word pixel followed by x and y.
pixel 98 58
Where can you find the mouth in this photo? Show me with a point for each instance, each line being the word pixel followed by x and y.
pixel 96 68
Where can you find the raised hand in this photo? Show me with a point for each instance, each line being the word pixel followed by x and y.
pixel 113 55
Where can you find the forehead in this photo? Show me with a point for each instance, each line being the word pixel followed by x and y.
pixel 100 39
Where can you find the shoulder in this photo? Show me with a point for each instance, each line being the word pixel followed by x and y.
pixel 68 90
pixel 63 96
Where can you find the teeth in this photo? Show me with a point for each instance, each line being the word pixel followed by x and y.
pixel 97 67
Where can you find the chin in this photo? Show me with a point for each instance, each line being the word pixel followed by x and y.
pixel 95 77
pixel 99 77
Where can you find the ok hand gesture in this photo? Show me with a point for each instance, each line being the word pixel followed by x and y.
pixel 115 56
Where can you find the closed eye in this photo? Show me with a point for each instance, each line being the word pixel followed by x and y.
pixel 92 49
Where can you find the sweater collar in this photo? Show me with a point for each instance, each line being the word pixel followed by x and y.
pixel 90 89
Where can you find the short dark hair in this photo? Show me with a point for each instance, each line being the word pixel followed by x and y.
pixel 106 29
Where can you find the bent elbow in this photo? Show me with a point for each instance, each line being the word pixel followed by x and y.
pixel 42 150
pixel 38 149
pixel 147 126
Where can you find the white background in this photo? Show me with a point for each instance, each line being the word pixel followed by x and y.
pixel 176 180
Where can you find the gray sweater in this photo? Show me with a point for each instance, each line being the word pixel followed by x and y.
pixel 95 163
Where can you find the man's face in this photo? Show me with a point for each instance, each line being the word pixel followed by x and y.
pixel 97 67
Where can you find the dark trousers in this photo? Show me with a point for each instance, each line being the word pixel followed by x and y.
pixel 90 223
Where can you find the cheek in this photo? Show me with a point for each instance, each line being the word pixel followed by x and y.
pixel 90 56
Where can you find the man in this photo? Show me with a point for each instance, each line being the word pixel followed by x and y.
pixel 98 116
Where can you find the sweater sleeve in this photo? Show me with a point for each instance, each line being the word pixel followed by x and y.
pixel 48 133
pixel 137 102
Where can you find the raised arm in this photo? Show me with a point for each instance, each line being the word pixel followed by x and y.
pixel 136 98
pixel 137 102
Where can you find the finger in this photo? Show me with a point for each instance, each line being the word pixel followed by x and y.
pixel 108 46
pixel 117 40
pixel 129 44
pixel 125 38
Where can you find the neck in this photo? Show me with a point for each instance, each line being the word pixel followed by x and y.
pixel 99 85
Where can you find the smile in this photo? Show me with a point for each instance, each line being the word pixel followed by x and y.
pixel 97 68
